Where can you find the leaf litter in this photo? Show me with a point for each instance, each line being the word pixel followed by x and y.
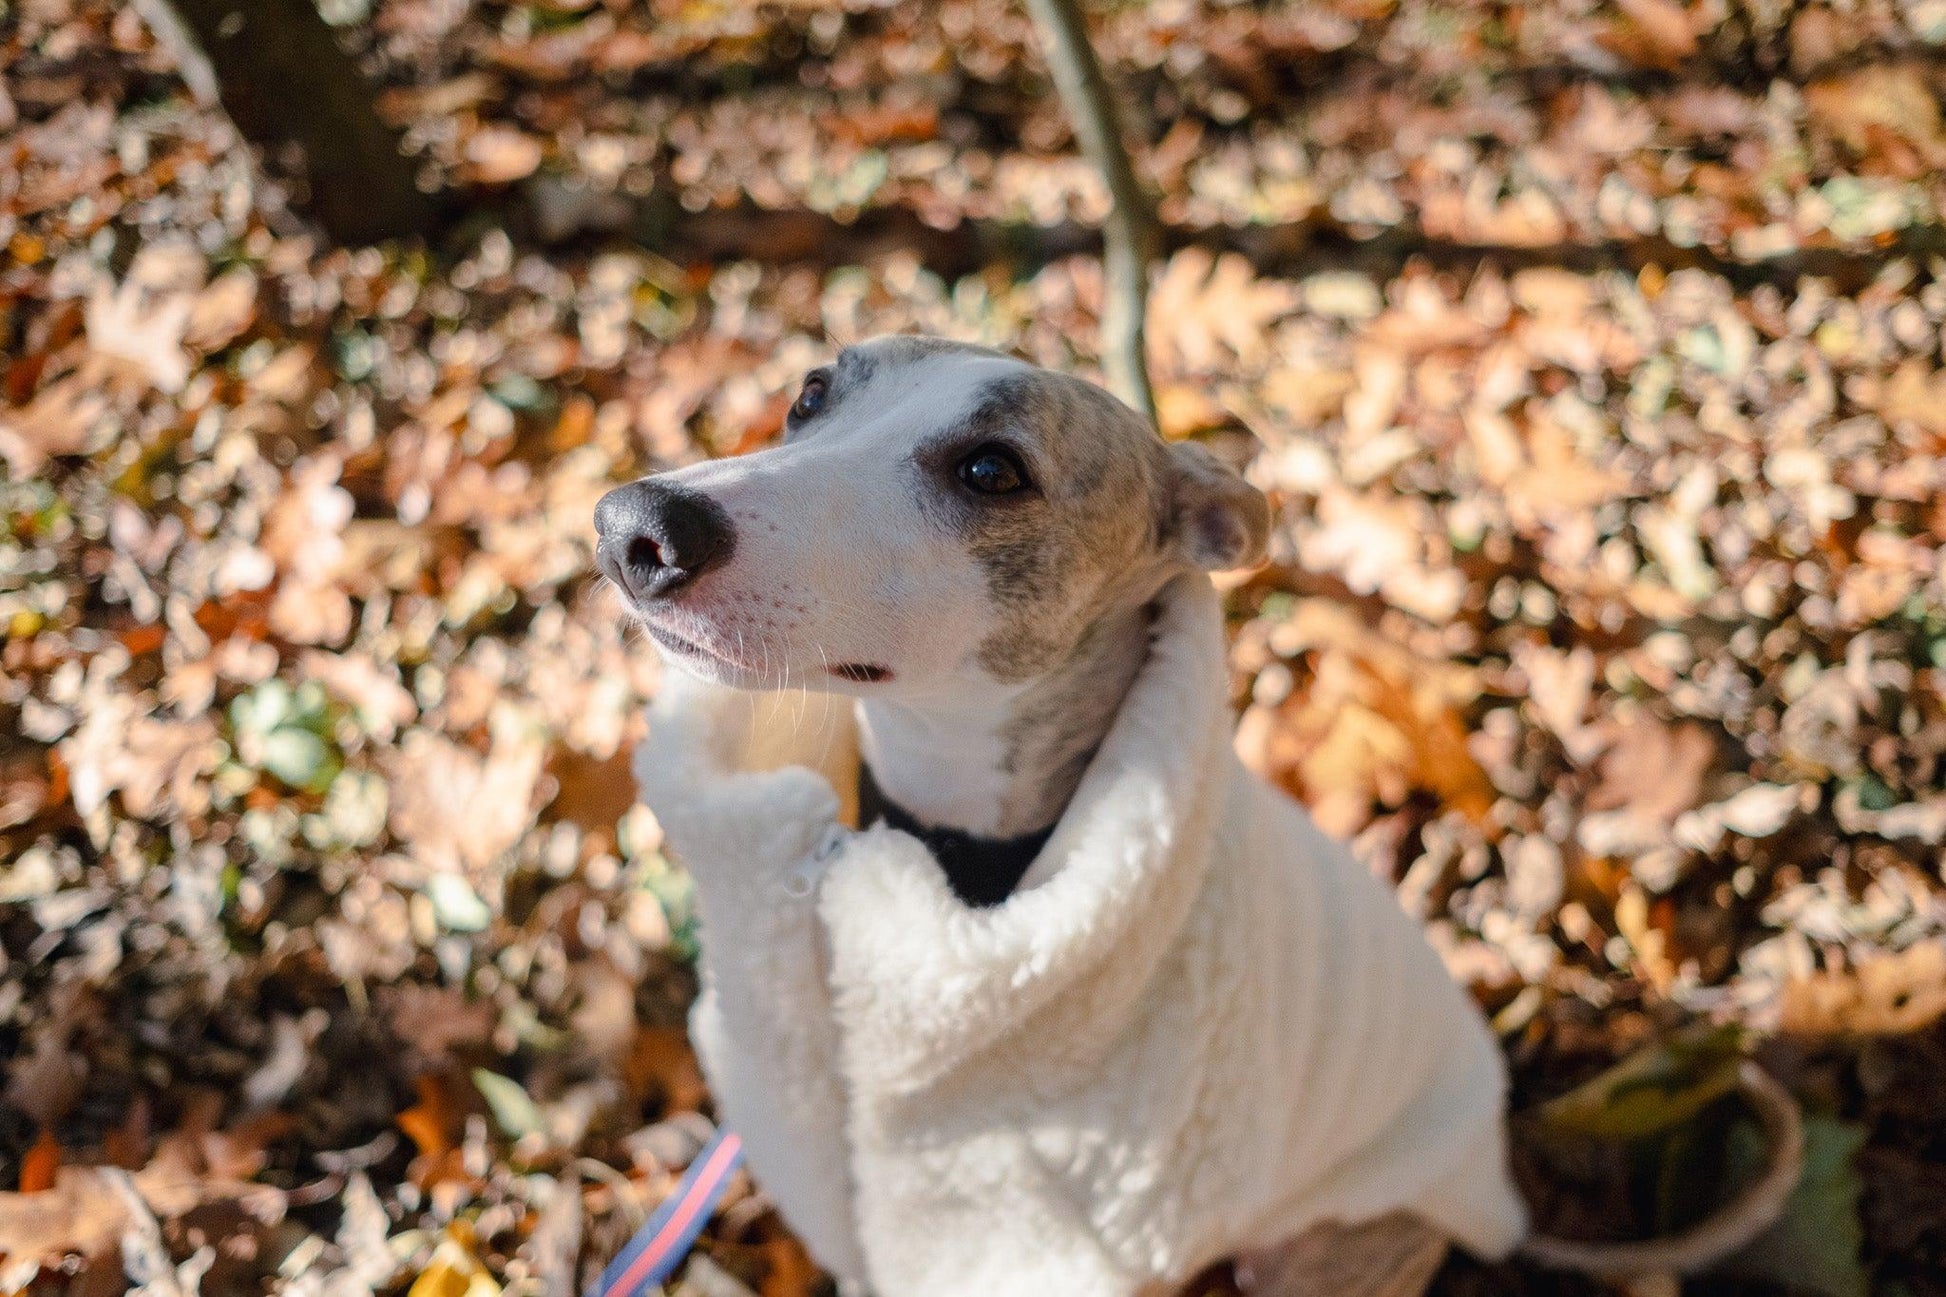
pixel 1604 613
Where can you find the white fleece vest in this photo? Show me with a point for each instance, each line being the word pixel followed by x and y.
pixel 1199 1027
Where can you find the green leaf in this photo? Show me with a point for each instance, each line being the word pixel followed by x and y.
pixel 299 758
pixel 522 395
pixel 309 706
pixel 262 709
pixel 456 905
pixel 513 1111
pixel 353 814
pixel 1654 1089
pixel 1816 1246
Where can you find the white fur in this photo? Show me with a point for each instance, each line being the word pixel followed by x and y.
pixel 833 563
pixel 1203 1029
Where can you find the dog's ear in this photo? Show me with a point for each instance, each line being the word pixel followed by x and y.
pixel 1217 521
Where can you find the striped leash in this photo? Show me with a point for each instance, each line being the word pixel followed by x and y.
pixel 662 1243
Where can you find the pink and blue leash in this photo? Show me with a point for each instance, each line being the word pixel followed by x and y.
pixel 667 1237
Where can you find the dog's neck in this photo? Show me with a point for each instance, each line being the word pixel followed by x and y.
pixel 1003 761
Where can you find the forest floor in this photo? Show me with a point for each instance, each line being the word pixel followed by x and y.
pixel 1591 354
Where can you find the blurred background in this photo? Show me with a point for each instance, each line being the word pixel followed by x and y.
pixel 1590 351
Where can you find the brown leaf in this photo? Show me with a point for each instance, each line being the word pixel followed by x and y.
pixel 1885 114
pixel 1657 33
pixel 789 1270
pixel 79 1213
pixel 58 421
pixel 1373 723
pixel 663 1063
pixel 1884 996
pixel 223 310
pixel 451 806
pixel 383 703
pixel 1653 769
pixel 153 763
pixel 84 1212
pixel 500 155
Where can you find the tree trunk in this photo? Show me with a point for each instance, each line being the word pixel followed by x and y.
pixel 284 80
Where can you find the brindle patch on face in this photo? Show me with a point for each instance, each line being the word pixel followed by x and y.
pixel 1060 556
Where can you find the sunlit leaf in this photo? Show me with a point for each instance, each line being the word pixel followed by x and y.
pixel 512 1109
pixel 1658 1087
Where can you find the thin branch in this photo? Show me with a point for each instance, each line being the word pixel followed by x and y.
pixel 1128 236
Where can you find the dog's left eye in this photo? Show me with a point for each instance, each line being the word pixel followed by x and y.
pixel 811 399
pixel 993 470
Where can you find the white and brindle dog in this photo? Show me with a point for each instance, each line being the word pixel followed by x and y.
pixel 1015 981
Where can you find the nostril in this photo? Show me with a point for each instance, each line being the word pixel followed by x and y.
pixel 643 554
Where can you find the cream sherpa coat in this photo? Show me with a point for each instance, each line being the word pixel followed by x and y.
pixel 1200 1027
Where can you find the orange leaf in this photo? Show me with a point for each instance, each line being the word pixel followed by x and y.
pixel 40 1163
pixel 427 1121
pixel 661 1062
pixel 790 1271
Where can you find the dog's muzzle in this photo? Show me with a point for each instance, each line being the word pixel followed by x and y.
pixel 656 537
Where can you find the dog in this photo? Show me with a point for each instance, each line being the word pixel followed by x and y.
pixel 1014 980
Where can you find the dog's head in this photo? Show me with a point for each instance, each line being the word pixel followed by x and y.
pixel 938 517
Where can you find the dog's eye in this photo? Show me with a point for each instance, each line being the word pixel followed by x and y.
pixel 811 399
pixel 993 470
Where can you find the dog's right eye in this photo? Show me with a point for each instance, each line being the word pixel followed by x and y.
pixel 811 399
pixel 993 470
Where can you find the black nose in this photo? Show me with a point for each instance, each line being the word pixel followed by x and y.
pixel 655 537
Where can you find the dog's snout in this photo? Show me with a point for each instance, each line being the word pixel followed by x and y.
pixel 656 537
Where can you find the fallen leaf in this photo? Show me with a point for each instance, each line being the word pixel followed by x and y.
pixel 1654 1089
pixel 454 1271
pixel 452 807
pixel 1817 1246
pixel 513 1110
pixel 40 1163
pixel 1884 995
pixel 429 1122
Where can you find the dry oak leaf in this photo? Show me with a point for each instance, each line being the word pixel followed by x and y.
pixel 1883 996
pixel 450 806
pixel 152 762
pixel 142 329
pixel 1208 312
pixel 1373 723
pixel 84 1212
pixel 58 421
pixel 1886 114
pixel 1654 33
pixel 373 689
pixel 1652 769
pixel 222 311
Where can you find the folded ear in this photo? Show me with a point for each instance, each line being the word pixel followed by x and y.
pixel 1217 520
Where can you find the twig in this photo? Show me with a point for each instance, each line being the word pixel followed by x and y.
pixel 1128 235
pixel 174 37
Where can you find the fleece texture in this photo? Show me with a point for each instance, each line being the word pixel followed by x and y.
pixel 1200 1026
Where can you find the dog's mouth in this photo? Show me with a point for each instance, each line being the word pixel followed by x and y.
pixel 867 673
pixel 689 648
pixel 863 673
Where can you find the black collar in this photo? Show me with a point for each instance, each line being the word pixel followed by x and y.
pixel 981 871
